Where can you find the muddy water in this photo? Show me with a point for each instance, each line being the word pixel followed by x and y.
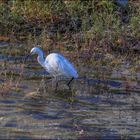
pixel 99 106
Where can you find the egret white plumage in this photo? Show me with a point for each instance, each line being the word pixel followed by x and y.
pixel 56 65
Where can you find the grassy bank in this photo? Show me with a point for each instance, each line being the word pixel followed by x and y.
pixel 72 25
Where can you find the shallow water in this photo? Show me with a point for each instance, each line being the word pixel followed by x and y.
pixel 99 108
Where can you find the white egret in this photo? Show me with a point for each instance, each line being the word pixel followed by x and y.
pixel 56 65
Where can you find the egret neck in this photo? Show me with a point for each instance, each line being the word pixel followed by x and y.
pixel 40 58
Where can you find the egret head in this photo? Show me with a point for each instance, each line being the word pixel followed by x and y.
pixel 35 50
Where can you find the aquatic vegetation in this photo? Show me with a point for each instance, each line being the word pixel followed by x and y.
pixel 11 78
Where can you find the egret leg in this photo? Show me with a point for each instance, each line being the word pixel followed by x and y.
pixel 68 84
pixel 56 84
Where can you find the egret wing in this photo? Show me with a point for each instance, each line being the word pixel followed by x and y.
pixel 58 65
pixel 67 67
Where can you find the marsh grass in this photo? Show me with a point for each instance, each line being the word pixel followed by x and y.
pixel 12 79
pixel 52 21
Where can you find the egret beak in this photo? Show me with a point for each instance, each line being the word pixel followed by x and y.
pixel 27 57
